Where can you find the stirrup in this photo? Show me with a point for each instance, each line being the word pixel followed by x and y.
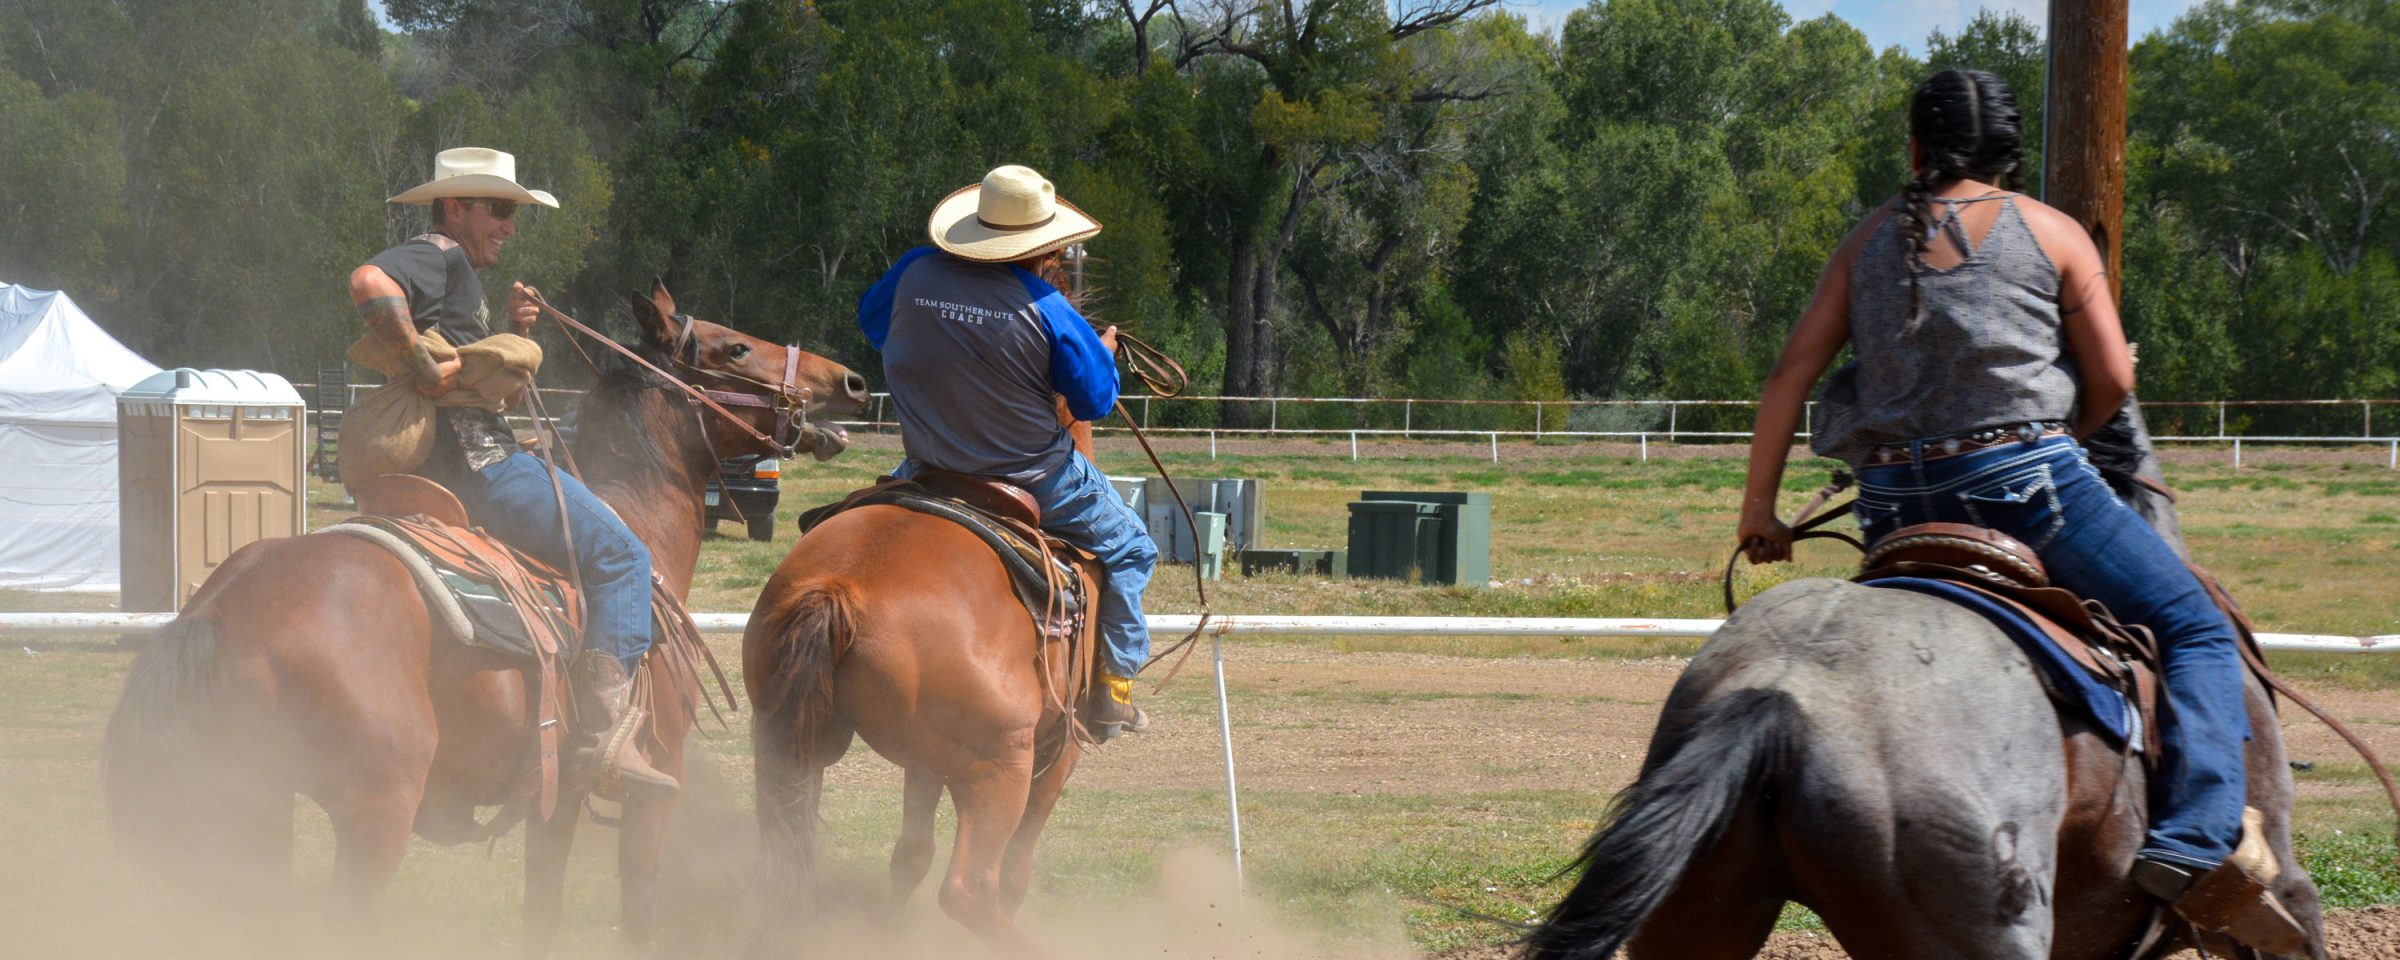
pixel 2237 897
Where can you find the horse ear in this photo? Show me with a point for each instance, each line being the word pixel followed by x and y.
pixel 654 315
pixel 660 299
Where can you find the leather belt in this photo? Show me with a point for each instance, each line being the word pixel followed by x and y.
pixel 1966 443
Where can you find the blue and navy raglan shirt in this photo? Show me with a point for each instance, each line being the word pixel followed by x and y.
pixel 972 353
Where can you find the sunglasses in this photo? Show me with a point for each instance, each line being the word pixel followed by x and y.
pixel 500 209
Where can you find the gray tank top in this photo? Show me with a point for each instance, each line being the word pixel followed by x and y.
pixel 1986 351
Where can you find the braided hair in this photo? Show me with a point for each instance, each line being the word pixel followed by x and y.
pixel 1967 123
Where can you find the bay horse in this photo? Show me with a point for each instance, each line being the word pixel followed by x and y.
pixel 1891 761
pixel 310 666
pixel 902 628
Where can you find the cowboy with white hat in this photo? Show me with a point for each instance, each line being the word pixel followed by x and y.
pixel 978 346
pixel 428 283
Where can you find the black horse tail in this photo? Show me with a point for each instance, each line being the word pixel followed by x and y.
pixel 1706 761
pixel 159 735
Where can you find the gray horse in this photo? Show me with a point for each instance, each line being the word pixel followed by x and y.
pixel 1889 760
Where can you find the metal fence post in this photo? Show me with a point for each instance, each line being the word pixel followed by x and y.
pixel 2237 453
pixel 2366 408
pixel 1672 406
pixel 1495 448
pixel 1212 444
pixel 1145 413
pixel 1408 416
pixel 1233 803
pixel 2220 419
pixel 1271 403
pixel 1645 448
pixel 1537 419
pixel 1354 446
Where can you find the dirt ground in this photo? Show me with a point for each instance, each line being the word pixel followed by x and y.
pixel 2371 933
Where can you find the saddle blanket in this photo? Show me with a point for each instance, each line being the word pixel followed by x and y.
pixel 2068 682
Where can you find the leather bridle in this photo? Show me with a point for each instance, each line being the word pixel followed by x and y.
pixel 789 399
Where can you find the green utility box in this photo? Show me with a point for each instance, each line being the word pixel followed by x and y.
pixel 1463 553
pixel 1323 563
pixel 1394 540
pixel 1211 552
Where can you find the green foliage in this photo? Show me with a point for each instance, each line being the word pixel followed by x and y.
pixel 1332 196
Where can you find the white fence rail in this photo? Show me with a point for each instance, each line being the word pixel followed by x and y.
pixel 1643 421
pixel 133 624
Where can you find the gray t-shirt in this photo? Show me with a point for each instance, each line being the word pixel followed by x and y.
pixel 973 353
pixel 1989 349
pixel 444 293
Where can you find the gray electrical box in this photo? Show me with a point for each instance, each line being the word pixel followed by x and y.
pixel 1241 501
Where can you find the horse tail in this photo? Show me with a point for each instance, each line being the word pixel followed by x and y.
pixel 153 753
pixel 794 705
pixel 1706 761
pixel 796 700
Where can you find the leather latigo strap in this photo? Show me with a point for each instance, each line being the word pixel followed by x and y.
pixel 2255 656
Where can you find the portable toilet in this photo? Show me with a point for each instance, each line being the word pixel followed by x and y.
pixel 208 461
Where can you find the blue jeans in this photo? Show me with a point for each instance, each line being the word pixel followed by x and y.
pixel 512 499
pixel 1080 507
pixel 2048 495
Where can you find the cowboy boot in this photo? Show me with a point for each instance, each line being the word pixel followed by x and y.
pixel 605 747
pixel 1110 710
pixel 2237 898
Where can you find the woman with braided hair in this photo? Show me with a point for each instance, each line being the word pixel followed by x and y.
pixel 1987 348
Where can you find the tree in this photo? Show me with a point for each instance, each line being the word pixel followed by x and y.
pixel 1293 99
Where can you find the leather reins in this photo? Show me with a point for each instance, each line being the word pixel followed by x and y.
pixel 1165 379
pixel 1804 527
pixel 789 399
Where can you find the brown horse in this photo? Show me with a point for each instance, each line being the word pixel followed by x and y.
pixel 309 666
pixel 902 628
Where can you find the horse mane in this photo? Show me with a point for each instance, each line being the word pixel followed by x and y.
pixel 608 426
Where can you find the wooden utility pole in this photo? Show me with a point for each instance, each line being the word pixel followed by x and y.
pixel 2083 147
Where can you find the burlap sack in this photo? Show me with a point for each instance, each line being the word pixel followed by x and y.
pixel 390 430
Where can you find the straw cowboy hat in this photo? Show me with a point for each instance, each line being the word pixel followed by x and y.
pixel 1011 215
pixel 474 172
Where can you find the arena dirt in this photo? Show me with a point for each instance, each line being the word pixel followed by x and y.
pixel 2372 933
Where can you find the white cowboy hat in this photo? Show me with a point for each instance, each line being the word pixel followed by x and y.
pixel 1011 215
pixel 474 172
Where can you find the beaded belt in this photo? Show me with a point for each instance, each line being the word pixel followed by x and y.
pixel 1983 439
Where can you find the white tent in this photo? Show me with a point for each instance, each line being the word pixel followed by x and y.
pixel 59 379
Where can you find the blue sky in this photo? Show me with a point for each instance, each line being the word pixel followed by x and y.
pixel 1899 22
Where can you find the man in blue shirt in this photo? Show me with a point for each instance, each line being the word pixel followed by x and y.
pixel 977 347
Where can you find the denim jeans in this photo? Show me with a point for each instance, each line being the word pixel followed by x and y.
pixel 1080 507
pixel 2048 495
pixel 512 499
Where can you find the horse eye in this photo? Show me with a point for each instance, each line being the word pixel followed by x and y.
pixel 739 351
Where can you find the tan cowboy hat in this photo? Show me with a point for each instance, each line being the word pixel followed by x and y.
pixel 1011 215
pixel 474 172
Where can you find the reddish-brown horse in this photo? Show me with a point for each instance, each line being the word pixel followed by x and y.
pixel 902 628
pixel 309 666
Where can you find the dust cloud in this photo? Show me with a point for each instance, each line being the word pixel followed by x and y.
pixel 74 894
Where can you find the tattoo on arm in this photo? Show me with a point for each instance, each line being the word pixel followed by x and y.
pixel 388 318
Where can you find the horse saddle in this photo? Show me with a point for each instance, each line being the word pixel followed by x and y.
pixel 1041 568
pixel 480 591
pixel 2089 661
